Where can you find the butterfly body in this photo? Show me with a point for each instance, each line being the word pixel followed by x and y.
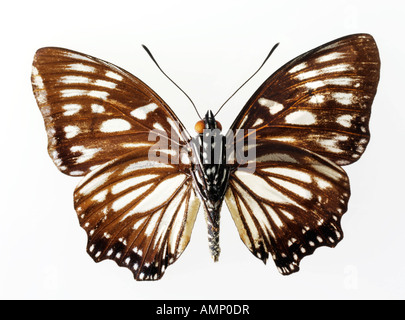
pixel 307 119
pixel 210 174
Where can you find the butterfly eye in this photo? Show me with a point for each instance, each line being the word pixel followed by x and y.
pixel 219 126
pixel 199 126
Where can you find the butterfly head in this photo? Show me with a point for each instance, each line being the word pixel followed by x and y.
pixel 208 122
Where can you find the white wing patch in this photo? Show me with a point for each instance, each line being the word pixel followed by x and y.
pixel 71 109
pixel 342 67
pixel 344 98
pixel 331 56
pixel 163 191
pixel 115 125
pixel 142 112
pixel 274 107
pixel 317 99
pixel 298 67
pixel 145 164
pixel 80 67
pixel 301 117
pixel 113 75
pixel 345 120
pixel 86 153
pixel 70 93
pixel 71 131
pixel 96 108
pixel 341 81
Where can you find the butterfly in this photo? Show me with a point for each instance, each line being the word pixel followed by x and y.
pixel 308 119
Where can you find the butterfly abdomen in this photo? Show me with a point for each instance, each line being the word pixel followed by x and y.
pixel 213 232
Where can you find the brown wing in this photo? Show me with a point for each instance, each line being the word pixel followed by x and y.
pixel 137 206
pixel 95 111
pixel 309 117
pixel 320 101
pixel 290 205
pixel 138 212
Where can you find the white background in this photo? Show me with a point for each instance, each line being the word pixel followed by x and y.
pixel 209 48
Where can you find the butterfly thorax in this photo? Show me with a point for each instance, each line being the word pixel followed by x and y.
pixel 211 175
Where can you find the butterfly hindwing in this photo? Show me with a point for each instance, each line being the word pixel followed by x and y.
pixel 137 211
pixel 290 205
pixel 95 111
pixel 320 101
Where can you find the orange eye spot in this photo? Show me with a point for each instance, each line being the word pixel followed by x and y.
pixel 199 126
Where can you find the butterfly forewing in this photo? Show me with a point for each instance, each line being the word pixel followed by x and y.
pixel 290 205
pixel 320 101
pixel 95 111
pixel 137 211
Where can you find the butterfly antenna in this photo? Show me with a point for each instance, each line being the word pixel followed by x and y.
pixel 268 56
pixel 154 60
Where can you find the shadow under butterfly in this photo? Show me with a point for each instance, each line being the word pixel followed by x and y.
pixel 308 119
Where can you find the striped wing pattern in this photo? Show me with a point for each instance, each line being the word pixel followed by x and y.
pixel 290 205
pixel 320 101
pixel 136 209
pixel 138 212
pixel 95 111
pixel 310 117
